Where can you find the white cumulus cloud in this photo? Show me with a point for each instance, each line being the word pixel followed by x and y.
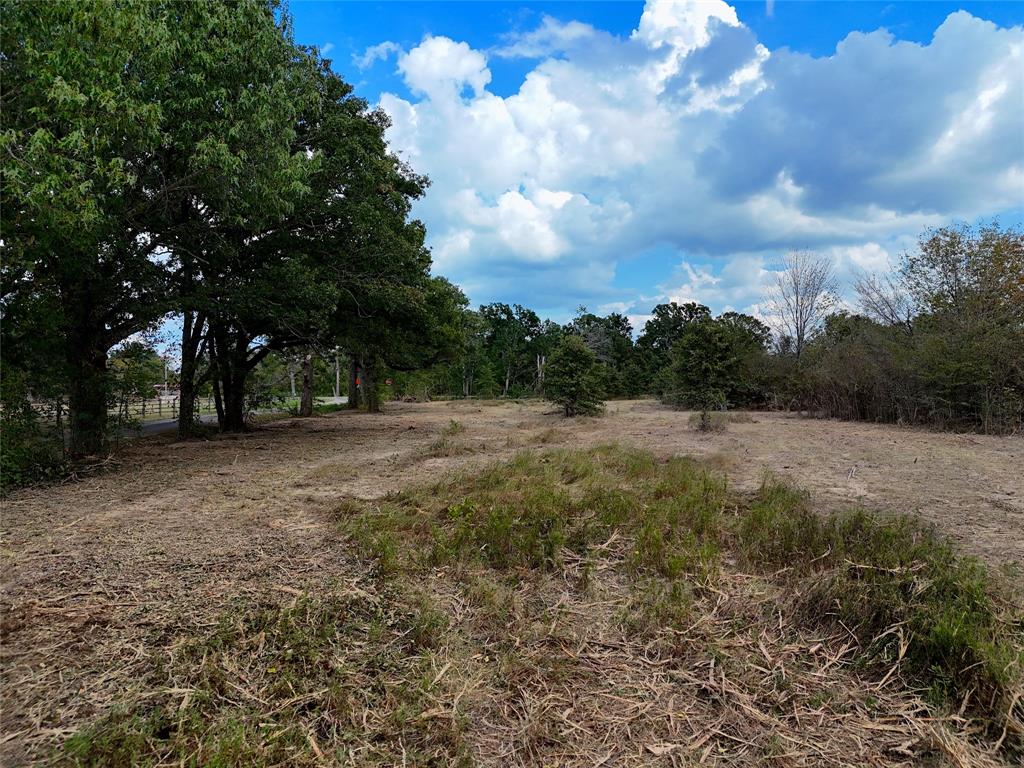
pixel 690 138
pixel 440 68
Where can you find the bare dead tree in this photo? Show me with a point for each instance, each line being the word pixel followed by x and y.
pixel 885 300
pixel 803 294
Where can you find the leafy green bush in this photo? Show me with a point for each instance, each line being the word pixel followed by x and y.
pixel 29 451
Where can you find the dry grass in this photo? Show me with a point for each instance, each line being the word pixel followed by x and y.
pixel 581 608
pixel 719 421
pixel 566 607
pixel 449 444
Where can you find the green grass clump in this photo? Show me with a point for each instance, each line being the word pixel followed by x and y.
pixel 322 409
pixel 525 512
pixel 454 427
pixel 892 580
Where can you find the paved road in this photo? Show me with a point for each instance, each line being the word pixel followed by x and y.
pixel 167 425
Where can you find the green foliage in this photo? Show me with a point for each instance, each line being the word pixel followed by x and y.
pixel 189 133
pixel 943 344
pixel 610 338
pixel 654 346
pixel 570 378
pixel 244 159
pixel 136 368
pixel 711 362
pixel 29 451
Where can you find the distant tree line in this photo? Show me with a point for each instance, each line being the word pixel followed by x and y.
pixel 506 351
pixel 940 342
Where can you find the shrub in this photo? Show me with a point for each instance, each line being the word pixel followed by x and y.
pixel 29 451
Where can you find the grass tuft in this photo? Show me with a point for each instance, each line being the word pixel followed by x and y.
pixel 719 421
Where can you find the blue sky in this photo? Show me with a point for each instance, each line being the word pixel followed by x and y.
pixel 620 154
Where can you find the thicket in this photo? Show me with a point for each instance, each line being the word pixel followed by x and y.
pixel 941 343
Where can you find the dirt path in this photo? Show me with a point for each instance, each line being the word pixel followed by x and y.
pixel 98 571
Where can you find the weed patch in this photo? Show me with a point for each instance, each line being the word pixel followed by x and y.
pixel 321 679
pixel 909 600
pixel 445 446
pixel 528 512
pixel 719 421
pixel 900 588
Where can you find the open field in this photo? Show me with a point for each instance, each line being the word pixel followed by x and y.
pixel 251 574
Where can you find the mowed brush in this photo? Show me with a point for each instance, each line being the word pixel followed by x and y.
pixel 601 607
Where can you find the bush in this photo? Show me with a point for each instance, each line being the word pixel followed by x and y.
pixel 570 378
pixel 713 363
pixel 29 451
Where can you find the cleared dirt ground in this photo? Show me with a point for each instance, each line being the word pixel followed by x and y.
pixel 99 572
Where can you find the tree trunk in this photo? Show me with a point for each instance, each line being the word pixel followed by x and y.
pixel 191 335
pixel 370 385
pixel 218 401
pixel 337 376
pixel 87 399
pixel 186 401
pixel 306 407
pixel 230 356
pixel 353 383
pixel 86 348
pixel 234 405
